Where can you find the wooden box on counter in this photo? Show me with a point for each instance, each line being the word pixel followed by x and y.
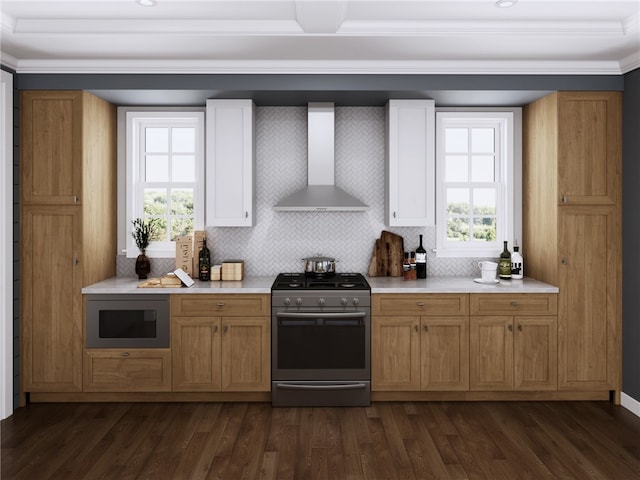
pixel 232 270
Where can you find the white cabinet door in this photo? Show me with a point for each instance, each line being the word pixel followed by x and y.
pixel 230 164
pixel 410 163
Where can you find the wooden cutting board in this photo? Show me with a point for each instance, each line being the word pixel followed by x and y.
pixel 388 253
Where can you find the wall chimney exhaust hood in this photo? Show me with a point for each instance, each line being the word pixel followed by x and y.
pixel 320 194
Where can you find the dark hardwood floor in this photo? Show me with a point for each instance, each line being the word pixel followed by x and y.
pixel 431 440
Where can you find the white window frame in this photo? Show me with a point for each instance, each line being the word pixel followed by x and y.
pixel 130 197
pixel 508 179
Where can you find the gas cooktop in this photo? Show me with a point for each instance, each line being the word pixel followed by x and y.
pixel 310 281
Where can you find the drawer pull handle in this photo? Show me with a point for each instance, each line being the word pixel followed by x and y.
pixel 124 354
pixel 220 305
pixel 420 304
pixel 225 329
pixel 510 327
pixel 416 328
pixel 514 304
pixel 520 327
pixel 426 328
pixel 215 329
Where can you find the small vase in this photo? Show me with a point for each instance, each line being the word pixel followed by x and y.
pixel 143 266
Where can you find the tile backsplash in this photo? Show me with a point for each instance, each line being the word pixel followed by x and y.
pixel 280 240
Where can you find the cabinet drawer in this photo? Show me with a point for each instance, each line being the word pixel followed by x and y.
pixel 134 370
pixel 426 304
pixel 514 304
pixel 219 305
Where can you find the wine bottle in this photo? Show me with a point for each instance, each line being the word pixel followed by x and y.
pixel 421 261
pixel 504 264
pixel 204 262
pixel 517 263
pixel 406 267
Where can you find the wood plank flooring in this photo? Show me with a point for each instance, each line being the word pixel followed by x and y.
pixel 413 440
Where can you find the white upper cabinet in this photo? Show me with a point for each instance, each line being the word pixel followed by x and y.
pixel 410 163
pixel 230 163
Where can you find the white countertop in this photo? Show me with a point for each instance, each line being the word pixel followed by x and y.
pixel 456 285
pixel 257 285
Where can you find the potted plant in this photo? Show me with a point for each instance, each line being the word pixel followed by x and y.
pixel 143 231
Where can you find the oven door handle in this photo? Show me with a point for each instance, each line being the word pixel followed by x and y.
pixel 340 386
pixel 327 315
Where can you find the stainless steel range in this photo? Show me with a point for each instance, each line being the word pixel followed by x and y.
pixel 321 340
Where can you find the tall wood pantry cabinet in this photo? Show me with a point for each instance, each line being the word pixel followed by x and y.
pixel 572 228
pixel 67 228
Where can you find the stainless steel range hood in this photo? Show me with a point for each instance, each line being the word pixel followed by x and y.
pixel 321 194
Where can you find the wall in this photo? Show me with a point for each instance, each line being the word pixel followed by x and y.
pixel 631 237
pixel 280 240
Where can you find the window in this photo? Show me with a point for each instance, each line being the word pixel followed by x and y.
pixel 164 175
pixel 478 189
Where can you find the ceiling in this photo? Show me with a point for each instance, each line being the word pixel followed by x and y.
pixel 590 37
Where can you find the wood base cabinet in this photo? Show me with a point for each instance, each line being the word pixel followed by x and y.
pixel 513 352
pixel 414 352
pixel 229 353
pixel 132 370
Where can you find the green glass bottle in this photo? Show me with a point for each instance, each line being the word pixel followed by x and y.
pixel 504 264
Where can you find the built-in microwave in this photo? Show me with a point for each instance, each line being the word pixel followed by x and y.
pixel 127 321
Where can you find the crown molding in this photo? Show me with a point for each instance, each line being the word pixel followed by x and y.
pixel 492 67
pixel 8 61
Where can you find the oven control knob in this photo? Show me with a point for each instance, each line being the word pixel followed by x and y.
pixel 344 301
pixel 287 301
pixel 322 302
pixel 298 301
pixel 356 301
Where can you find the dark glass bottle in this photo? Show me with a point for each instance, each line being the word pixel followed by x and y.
pixel 204 263
pixel 421 261
pixel 504 265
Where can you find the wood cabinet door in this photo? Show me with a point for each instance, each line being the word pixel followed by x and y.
pixel 196 354
pixel 246 354
pixel 133 370
pixel 589 298
pixel 395 353
pixel 491 353
pixel 51 299
pixel 51 147
pixel 536 353
pixel 410 163
pixel 589 147
pixel 444 347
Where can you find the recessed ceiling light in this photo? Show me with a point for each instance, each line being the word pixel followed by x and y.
pixel 147 3
pixel 506 3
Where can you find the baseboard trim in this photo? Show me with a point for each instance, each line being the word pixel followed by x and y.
pixel 630 404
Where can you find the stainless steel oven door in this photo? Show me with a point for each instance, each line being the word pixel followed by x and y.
pixel 326 345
